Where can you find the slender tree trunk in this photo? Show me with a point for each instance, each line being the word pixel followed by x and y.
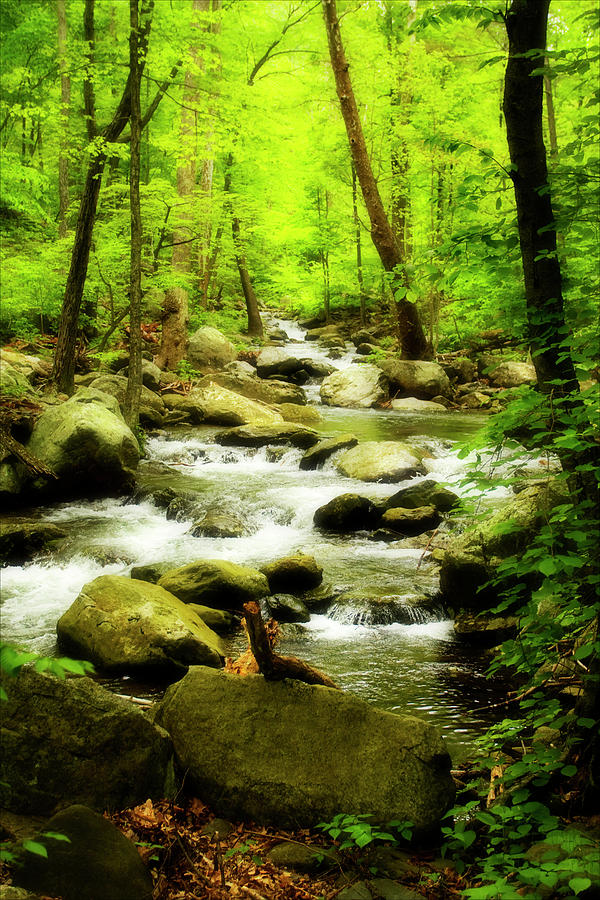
pixel 412 337
pixel 64 357
pixel 65 101
pixel 359 270
pixel 89 99
pixel 324 253
pixel 526 24
pixel 550 114
pixel 255 325
pixel 134 380
pixel 207 247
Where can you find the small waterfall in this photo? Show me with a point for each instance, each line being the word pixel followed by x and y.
pixel 351 609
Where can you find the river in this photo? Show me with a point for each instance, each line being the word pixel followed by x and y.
pixel 417 666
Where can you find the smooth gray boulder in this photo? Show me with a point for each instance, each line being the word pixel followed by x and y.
pixel 72 741
pixel 209 348
pixel 513 373
pixel 416 378
pixel 125 625
pixel 216 583
pixel 89 448
pixel 269 391
pixel 261 435
pixel 320 453
pixel 358 387
pixel 413 404
pixel 97 862
pixel 275 361
pixel 316 751
pixel 152 407
pixel 388 461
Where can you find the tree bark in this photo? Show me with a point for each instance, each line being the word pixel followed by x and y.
pixel 359 270
pixel 255 325
pixel 526 24
pixel 412 336
pixel 270 664
pixel 65 101
pixel 134 380
pixel 64 357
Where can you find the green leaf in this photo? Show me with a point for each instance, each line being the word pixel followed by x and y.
pixel 580 884
pixel 36 848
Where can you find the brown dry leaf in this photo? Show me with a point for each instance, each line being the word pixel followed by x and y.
pixel 145 815
pixel 495 790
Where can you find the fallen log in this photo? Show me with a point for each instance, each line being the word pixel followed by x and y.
pixel 271 665
pixel 11 445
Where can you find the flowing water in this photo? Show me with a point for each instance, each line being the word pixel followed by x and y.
pixel 416 667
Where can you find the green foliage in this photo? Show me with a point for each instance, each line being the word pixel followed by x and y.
pixel 355 832
pixel 12 660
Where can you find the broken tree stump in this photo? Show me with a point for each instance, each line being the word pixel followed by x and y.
pixel 271 665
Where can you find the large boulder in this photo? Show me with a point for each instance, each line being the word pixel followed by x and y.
pixel 32 367
pixel 125 625
pixel 89 448
pixel 322 331
pixel 215 583
pixel 320 453
pixel 315 752
pixel 425 493
pixel 346 513
pixel 413 404
pixel 513 373
pixel 358 387
pixel 218 524
pixel 416 378
pixel 410 522
pixel 14 383
pixel 152 407
pixel 302 415
pixel 388 461
pixel 218 405
pixel 269 391
pixel 208 348
pixel 275 361
pixel 73 741
pixel 93 860
pixel 261 435
pixel 293 574
pixel 471 558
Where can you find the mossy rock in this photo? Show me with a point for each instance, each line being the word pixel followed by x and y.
pixel 293 574
pixel 387 461
pixel 215 583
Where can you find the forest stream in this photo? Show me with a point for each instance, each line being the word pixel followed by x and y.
pixel 415 665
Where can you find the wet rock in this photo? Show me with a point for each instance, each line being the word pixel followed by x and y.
pixel 347 513
pixel 316 369
pixel 218 405
pixel 485 630
pixel 152 408
pixel 90 449
pixel 416 378
pixel 320 599
pixel 72 741
pixel 20 541
pixel 476 400
pixel 362 337
pixel 311 322
pixel 461 369
pixel 413 404
pixel 187 407
pixel 358 608
pixel 397 767
pixel 387 461
pixel 209 348
pixel 410 522
pixel 269 391
pixel 293 574
pixel 97 862
pixel 261 435
pixel 512 374
pixel 303 415
pixel 182 509
pixel 216 583
pixel 287 608
pixel 321 452
pixel 358 387
pixel 323 331
pixel 333 341
pixel 425 493
pixel 218 525
pixel 471 558
pixel 151 572
pixel 219 620
pixel 125 625
pixel 275 361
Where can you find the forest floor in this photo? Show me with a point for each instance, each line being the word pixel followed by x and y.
pixel 189 861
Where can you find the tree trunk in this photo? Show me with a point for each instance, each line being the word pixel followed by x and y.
pixel 65 100
pixel 359 271
pixel 526 24
pixel 64 357
pixel 255 325
pixel 324 253
pixel 134 379
pixel 412 337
